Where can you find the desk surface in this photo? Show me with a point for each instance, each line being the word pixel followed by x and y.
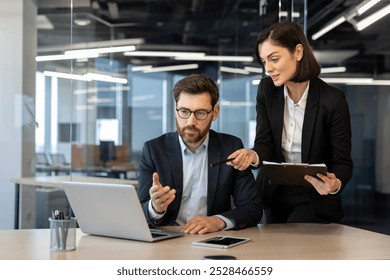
pixel 271 242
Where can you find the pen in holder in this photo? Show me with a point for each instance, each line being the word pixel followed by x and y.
pixel 62 232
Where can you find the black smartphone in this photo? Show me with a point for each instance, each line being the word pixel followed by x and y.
pixel 222 242
pixel 219 257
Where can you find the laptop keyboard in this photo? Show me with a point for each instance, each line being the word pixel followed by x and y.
pixel 154 234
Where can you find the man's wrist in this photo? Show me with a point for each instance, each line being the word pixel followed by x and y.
pixel 228 224
pixel 157 212
pixel 154 214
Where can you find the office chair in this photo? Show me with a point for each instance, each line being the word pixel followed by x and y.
pixel 41 159
pixel 58 159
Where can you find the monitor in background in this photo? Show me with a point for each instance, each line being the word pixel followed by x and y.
pixel 107 151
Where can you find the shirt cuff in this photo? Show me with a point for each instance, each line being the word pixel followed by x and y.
pixel 336 191
pixel 229 223
pixel 256 164
pixel 153 214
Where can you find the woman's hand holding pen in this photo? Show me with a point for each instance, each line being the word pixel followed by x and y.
pixel 161 196
pixel 243 158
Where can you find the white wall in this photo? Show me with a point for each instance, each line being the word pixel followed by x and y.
pixel 17 90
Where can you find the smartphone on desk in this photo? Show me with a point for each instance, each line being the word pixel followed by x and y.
pixel 222 242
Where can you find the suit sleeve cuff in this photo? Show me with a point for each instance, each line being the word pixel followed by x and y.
pixel 229 223
pixel 153 214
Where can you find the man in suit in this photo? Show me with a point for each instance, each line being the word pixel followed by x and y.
pixel 178 186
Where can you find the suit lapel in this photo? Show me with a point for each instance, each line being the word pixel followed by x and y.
pixel 310 118
pixel 277 115
pixel 214 154
pixel 176 162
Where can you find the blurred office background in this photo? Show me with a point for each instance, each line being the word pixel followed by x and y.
pixel 85 82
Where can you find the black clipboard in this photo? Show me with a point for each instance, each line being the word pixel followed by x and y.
pixel 292 173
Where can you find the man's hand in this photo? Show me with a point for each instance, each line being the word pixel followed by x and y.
pixel 204 224
pixel 161 196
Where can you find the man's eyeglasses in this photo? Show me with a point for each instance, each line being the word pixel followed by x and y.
pixel 199 114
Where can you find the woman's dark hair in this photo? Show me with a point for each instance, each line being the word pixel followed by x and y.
pixel 289 35
pixel 195 84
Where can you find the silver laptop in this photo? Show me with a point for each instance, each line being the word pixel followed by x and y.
pixel 111 210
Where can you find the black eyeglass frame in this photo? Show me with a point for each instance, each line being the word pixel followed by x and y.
pixel 194 112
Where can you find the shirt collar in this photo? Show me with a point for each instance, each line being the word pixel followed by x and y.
pixel 185 150
pixel 301 103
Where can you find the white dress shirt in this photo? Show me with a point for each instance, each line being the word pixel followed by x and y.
pixel 195 183
pixel 195 170
pixel 294 114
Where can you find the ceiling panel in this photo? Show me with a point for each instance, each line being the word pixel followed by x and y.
pixel 220 27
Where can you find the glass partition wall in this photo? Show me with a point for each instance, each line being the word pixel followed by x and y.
pixel 91 90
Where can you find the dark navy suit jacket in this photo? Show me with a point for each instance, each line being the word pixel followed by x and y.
pixel 326 138
pixel 230 192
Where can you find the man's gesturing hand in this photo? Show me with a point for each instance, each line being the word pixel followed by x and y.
pixel 161 196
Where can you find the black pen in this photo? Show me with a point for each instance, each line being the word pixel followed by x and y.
pixel 220 162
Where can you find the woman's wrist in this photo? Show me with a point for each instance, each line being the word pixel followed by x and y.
pixel 255 159
pixel 338 189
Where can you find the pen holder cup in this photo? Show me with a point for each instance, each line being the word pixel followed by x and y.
pixel 62 235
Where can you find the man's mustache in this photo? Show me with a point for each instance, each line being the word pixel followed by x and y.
pixel 192 127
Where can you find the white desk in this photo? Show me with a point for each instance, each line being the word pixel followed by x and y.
pixel 25 188
pixel 270 242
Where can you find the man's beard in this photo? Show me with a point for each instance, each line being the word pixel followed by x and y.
pixel 191 134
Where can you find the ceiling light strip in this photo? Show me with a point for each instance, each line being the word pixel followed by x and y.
pixel 66 76
pixel 366 6
pixel 86 77
pixel 172 68
pixel 141 68
pixel 105 78
pixel 328 27
pixel 372 18
pixel 233 70
pixel 100 50
pixel 164 54
pixel 64 57
pixel 253 69
pixel 218 58
pixel 357 81
pixel 339 69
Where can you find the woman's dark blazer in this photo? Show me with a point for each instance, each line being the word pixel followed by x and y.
pixel 326 138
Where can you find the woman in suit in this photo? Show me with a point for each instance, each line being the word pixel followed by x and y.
pixel 300 119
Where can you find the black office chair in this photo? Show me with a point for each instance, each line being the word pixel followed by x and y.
pixel 41 159
pixel 58 159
